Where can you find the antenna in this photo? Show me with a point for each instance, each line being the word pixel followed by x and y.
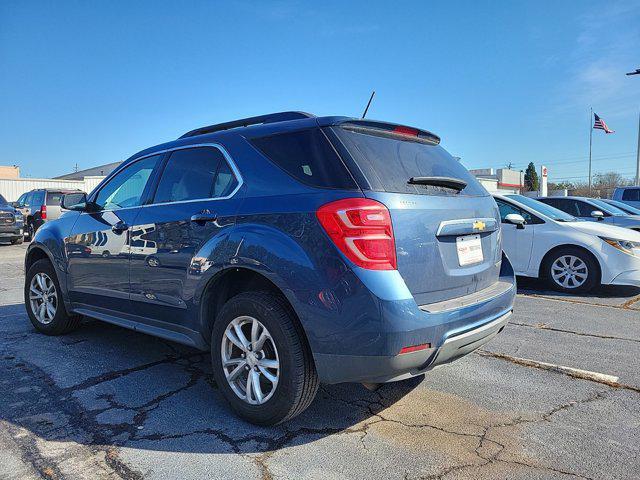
pixel 367 109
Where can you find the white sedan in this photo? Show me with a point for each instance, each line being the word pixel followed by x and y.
pixel 571 255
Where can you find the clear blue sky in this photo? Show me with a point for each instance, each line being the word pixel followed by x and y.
pixel 94 82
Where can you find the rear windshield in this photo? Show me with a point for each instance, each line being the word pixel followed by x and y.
pixel 631 194
pixel 54 198
pixel 388 163
pixel 307 156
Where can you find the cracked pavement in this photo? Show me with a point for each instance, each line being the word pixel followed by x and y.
pixel 105 402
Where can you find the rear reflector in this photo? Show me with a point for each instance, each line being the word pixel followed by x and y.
pixel 361 228
pixel 415 348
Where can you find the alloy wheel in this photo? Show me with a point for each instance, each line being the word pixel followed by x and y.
pixel 250 360
pixel 569 271
pixel 43 298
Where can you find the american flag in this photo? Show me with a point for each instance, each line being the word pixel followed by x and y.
pixel 600 124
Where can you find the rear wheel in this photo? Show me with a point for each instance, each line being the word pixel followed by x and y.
pixel 29 231
pixel 43 299
pixel 261 361
pixel 571 270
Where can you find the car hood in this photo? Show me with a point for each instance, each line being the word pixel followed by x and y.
pixel 605 230
pixel 7 208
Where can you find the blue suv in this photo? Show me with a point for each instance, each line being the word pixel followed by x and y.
pixel 296 249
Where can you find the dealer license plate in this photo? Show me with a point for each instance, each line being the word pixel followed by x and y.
pixel 469 250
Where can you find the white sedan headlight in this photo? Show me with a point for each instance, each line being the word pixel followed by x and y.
pixel 626 246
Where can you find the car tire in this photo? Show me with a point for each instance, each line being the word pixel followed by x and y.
pixel 17 241
pixel 53 319
pixel 29 232
pixel 571 270
pixel 296 380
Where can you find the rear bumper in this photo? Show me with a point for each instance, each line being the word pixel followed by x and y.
pixel 452 329
pixel 381 369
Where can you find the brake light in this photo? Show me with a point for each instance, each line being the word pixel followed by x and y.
pixel 361 229
pixel 43 212
pixel 411 132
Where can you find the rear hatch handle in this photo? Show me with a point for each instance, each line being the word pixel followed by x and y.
pixel 447 182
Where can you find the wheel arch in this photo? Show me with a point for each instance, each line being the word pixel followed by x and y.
pixel 230 282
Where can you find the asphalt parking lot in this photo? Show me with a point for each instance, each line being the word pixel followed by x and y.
pixel 556 395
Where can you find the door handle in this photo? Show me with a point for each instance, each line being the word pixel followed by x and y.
pixel 204 217
pixel 119 227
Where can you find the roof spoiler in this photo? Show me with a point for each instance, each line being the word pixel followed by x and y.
pixel 390 129
pixel 245 122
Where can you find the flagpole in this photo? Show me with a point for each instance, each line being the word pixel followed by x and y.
pixel 590 143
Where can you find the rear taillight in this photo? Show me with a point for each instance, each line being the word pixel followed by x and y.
pixel 361 228
pixel 43 212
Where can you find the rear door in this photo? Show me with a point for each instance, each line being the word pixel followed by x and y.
pixel 193 206
pixel 432 224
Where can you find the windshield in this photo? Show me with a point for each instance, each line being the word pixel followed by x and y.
pixel 608 208
pixel 543 208
pixel 624 207
pixel 3 202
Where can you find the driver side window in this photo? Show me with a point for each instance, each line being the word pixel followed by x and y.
pixel 125 189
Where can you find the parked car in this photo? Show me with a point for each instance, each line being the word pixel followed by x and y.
pixel 593 209
pixel 571 255
pixel 628 195
pixel 11 223
pixel 40 206
pixel 296 249
pixel 628 209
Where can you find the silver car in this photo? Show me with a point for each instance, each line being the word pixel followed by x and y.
pixel 593 209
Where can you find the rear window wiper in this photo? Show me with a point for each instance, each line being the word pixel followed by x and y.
pixel 447 182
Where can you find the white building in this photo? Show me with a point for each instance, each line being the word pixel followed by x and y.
pixel 501 180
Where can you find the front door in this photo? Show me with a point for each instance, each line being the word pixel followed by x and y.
pixel 98 247
pixel 174 237
pixel 517 243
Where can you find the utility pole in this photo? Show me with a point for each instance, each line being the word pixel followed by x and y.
pixel 637 72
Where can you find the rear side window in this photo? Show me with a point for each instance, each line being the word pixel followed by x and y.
pixel 54 198
pixel 308 157
pixel 388 163
pixel 632 194
pixel 193 174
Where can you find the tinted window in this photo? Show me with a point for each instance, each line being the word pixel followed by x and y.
pixel 54 198
pixel 307 156
pixel 125 189
pixel 391 162
pixel 544 208
pixel 21 200
pixel 193 173
pixel 38 198
pixel 585 209
pixel 632 194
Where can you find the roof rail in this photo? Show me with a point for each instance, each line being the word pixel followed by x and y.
pixel 245 122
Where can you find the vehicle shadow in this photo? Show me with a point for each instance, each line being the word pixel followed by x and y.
pixel 536 286
pixel 107 386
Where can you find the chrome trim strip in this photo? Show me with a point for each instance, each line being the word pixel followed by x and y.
pixel 225 154
pixel 487 326
pixel 468 222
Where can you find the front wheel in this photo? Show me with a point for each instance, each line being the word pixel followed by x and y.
pixel 261 361
pixel 17 241
pixel 571 270
pixel 43 299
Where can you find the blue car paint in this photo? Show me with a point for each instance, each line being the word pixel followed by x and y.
pixel 269 227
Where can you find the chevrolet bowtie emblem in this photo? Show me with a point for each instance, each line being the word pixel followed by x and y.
pixel 479 225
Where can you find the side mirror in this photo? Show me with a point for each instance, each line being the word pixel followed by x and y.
pixel 598 214
pixel 14 204
pixel 75 201
pixel 516 219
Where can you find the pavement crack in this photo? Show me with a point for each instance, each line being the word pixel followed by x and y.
pixel 542 326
